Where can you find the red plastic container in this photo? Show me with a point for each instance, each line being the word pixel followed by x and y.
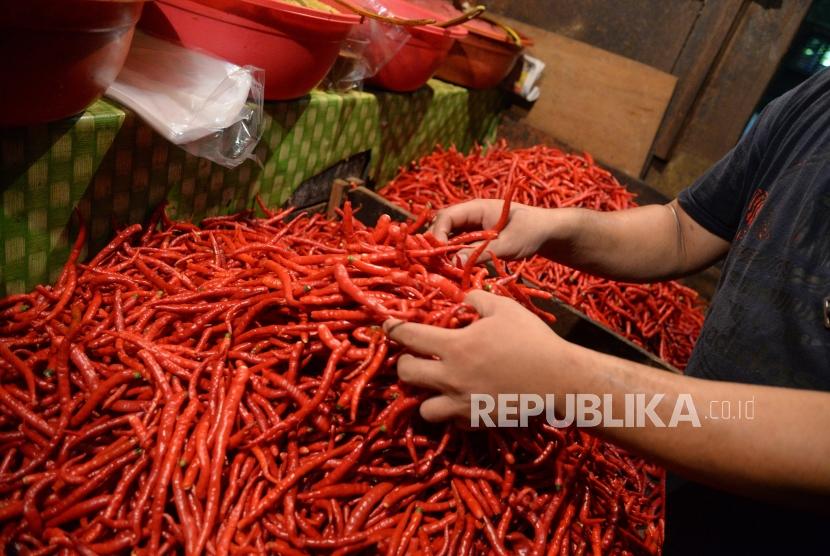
pixel 57 57
pixel 422 54
pixel 295 46
pixel 477 62
pixel 483 58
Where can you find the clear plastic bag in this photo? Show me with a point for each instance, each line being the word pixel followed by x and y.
pixel 209 107
pixel 367 49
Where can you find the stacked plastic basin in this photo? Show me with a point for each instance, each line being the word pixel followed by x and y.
pixel 296 46
pixel 481 59
pixel 59 56
pixel 421 55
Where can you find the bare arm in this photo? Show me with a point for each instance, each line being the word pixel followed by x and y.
pixel 640 244
pixel 645 243
pixel 779 450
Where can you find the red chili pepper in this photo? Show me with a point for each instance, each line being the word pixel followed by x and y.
pixel 349 288
pixel 24 413
pixel 469 500
pixel 366 504
pixel 9 356
pixel 229 409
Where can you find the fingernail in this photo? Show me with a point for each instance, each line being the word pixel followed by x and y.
pixel 390 324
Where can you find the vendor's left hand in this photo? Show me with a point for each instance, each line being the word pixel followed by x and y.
pixel 508 350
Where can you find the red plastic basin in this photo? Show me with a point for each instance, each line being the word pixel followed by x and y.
pixel 477 62
pixel 295 46
pixel 57 57
pixel 422 54
pixel 483 58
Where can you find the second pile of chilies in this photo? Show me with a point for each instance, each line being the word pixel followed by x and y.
pixel 226 389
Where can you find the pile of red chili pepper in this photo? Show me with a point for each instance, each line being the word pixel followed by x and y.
pixel 227 389
pixel 664 318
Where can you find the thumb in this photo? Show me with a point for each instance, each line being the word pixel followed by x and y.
pixel 462 256
pixel 495 247
pixel 485 303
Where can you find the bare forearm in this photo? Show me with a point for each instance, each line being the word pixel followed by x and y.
pixel 648 243
pixel 780 450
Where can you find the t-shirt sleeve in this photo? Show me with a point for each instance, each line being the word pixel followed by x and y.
pixel 717 199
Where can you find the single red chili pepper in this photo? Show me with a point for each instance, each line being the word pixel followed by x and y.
pixel 24 413
pixel 489 496
pixel 166 473
pixel 21 367
pixel 366 504
pixel 365 377
pixel 80 510
pixel 349 288
pixel 475 473
pixel 113 245
pixel 347 490
pixel 469 500
pixel 438 507
pixel 30 511
pixel 68 289
pixel 344 467
pixel 229 410
pixel 466 545
pixel 560 538
pixel 409 531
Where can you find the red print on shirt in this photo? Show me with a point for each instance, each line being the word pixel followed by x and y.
pixel 755 206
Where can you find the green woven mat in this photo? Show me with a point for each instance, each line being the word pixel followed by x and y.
pixel 44 171
pixel 115 169
pixel 411 125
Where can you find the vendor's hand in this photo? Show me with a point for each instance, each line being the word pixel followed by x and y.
pixel 528 229
pixel 508 350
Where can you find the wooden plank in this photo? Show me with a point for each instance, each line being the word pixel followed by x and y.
pixel 731 92
pixel 578 328
pixel 336 195
pixel 650 31
pixel 598 101
pixel 704 45
pixel 315 190
pixel 369 206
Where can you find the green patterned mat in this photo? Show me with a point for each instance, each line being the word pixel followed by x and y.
pixel 115 169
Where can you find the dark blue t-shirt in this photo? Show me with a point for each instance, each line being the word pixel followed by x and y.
pixel 770 197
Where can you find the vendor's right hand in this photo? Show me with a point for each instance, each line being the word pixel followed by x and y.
pixel 528 229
